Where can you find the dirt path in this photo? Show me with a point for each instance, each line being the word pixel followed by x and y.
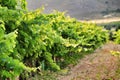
pixel 105 20
pixel 101 65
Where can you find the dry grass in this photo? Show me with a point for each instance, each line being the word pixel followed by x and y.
pixel 102 21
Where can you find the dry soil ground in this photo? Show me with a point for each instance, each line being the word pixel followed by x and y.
pixel 101 65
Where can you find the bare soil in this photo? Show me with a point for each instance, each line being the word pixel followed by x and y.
pixel 101 65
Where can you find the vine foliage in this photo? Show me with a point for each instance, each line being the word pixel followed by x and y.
pixel 31 39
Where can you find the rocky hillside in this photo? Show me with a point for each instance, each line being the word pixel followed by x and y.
pixel 80 9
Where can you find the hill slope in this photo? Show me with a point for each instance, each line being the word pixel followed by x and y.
pixel 80 9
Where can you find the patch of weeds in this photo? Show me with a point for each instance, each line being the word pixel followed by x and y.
pixel 50 75
pixel 117 54
pixel 117 75
pixel 98 76
pixel 45 75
